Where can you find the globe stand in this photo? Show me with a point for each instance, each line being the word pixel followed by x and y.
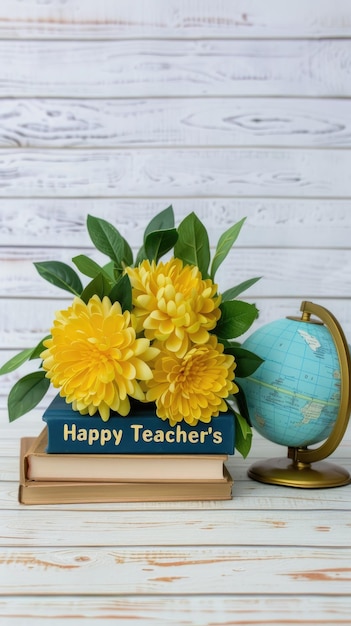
pixel 284 471
pixel 305 467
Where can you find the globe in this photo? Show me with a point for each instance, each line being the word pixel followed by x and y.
pixel 293 397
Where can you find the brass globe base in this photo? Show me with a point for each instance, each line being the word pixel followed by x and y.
pixel 288 473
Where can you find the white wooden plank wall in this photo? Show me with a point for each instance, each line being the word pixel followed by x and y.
pixel 231 109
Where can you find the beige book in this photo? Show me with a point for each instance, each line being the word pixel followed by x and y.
pixel 113 467
pixel 70 492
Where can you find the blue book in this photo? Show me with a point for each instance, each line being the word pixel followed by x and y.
pixel 141 432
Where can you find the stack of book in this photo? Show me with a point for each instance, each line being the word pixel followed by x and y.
pixel 78 459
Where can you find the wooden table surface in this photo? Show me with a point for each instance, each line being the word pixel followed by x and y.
pixel 271 555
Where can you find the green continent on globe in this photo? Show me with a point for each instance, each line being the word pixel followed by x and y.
pixel 293 398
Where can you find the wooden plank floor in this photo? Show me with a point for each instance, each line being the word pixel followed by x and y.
pixel 271 555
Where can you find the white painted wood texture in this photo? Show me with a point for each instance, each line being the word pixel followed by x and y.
pixel 127 122
pixel 140 68
pixel 231 109
pixel 183 18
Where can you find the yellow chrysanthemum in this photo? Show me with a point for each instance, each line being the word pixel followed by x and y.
pixel 95 359
pixel 192 388
pixel 174 304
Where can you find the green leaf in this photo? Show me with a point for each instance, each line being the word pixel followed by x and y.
pixel 26 394
pixel 159 243
pixel 246 362
pixel 99 286
pixel 88 267
pixel 60 275
pixel 162 221
pixel 141 256
pixel 232 293
pixel 240 400
pixel 122 292
pixel 16 361
pixel 111 270
pixel 236 318
pixel 109 241
pixel 25 355
pixel 193 246
pixel 39 348
pixel 243 435
pixel 224 245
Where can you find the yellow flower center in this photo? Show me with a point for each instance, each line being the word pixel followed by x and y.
pixel 192 388
pixel 173 304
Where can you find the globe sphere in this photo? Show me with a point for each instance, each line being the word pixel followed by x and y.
pixel 293 397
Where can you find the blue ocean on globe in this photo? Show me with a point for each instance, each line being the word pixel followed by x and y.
pixel 293 397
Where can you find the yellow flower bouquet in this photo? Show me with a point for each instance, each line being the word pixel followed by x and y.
pixel 145 330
